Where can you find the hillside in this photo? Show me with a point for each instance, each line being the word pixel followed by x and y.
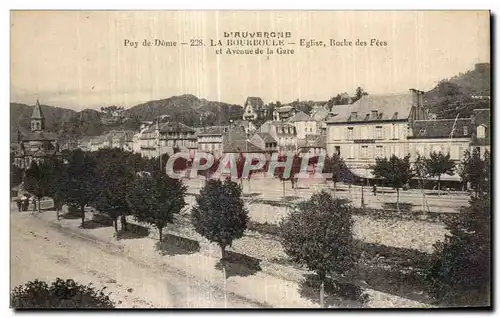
pixel 69 124
pixel 456 95
pixel 20 115
pixel 187 109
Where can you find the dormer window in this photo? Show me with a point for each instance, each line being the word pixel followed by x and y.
pixel 421 132
pixel 354 115
pixel 481 131
pixel 374 114
pixel 395 115
pixel 466 131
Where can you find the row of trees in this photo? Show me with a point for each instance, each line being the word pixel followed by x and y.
pixel 397 172
pixel 317 233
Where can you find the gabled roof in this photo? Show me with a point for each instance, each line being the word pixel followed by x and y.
pixel 266 137
pixel 441 128
pixel 388 107
pixel 37 111
pixel 300 116
pixel 256 102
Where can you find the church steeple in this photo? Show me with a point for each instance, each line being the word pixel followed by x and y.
pixel 37 119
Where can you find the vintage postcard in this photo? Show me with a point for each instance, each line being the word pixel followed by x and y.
pixel 250 159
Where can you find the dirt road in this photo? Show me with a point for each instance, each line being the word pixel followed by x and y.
pixel 41 251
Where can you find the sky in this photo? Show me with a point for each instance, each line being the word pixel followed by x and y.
pixel 78 60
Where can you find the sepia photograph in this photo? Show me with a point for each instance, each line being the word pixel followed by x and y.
pixel 250 159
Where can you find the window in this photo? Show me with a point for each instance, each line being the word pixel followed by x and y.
pixel 481 131
pixel 374 114
pixel 354 115
pixel 351 151
pixel 350 133
pixel 364 151
pixel 466 131
pixel 379 133
pixel 379 152
pixel 337 150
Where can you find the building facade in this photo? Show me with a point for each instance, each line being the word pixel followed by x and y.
pixel 283 132
pixel 373 127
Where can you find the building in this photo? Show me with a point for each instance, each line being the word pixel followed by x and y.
pixel 304 125
pixel 319 113
pixel 248 126
pixel 167 138
pixel 481 130
pixel 373 127
pixel 283 113
pixel 314 145
pixel 265 141
pixel 283 132
pixel 37 144
pixel 210 139
pixel 254 109
pixel 440 135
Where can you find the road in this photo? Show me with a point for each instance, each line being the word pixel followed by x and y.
pixel 41 251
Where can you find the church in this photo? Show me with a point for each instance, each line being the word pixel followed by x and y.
pixel 37 144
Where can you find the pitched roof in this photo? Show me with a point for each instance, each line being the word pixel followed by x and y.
pixel 213 130
pixel 319 113
pixel 482 117
pixel 256 102
pixel 266 137
pixel 441 128
pixel 388 107
pixel 37 136
pixel 300 116
pixel 175 127
pixel 37 111
pixel 284 109
pixel 236 141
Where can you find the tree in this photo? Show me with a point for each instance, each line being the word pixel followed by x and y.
pixel 37 180
pixel 438 164
pixel 16 175
pixel 60 294
pixel 476 171
pixel 334 166
pixel 81 180
pixel 421 172
pixel 359 93
pixel 219 213
pixel 279 172
pixel 57 176
pixel 156 199
pixel 319 235
pixel 113 177
pixel 396 172
pixel 459 273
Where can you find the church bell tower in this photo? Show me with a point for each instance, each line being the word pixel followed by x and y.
pixel 37 119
